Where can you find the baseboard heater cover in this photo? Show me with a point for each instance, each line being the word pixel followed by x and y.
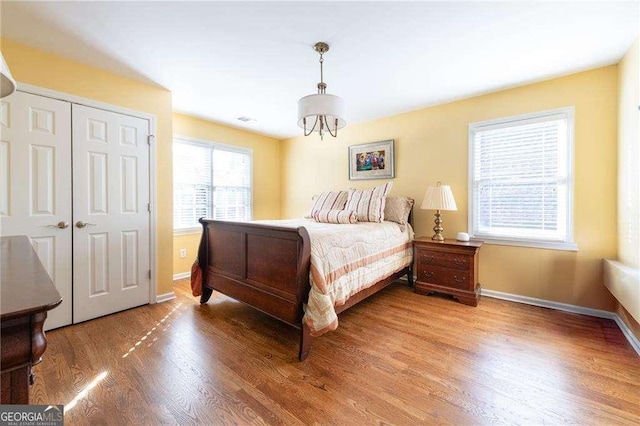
pixel 623 282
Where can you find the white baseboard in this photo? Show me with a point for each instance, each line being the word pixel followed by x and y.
pixel 165 297
pixel 631 338
pixel 598 313
pixel 548 304
pixel 181 275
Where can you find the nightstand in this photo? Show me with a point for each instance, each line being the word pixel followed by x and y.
pixel 449 267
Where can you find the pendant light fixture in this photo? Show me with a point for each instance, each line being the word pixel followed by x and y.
pixel 321 112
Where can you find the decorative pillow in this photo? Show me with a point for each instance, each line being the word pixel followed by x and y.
pixel 336 216
pixel 369 203
pixel 332 200
pixel 397 209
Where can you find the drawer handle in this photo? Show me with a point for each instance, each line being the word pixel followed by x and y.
pixel 428 258
pixel 459 280
pixel 459 262
pixel 428 274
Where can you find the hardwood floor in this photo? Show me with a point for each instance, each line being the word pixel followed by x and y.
pixel 396 358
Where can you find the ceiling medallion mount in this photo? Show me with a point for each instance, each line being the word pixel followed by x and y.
pixel 321 47
pixel 325 111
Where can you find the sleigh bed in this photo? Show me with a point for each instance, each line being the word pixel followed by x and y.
pixel 284 268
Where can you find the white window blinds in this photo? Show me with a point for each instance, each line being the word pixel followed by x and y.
pixel 192 188
pixel 231 185
pixel 210 180
pixel 521 179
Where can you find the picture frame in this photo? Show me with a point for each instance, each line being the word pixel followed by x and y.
pixel 373 160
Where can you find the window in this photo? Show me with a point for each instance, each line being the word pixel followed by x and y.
pixel 210 180
pixel 521 180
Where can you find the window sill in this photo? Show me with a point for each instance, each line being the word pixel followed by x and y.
pixel 532 244
pixel 187 231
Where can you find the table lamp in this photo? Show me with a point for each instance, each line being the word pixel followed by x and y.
pixel 438 198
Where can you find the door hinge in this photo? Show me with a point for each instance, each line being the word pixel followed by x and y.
pixel 149 138
pixel 149 207
pixel 149 273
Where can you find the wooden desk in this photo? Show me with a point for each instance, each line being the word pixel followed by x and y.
pixel 26 294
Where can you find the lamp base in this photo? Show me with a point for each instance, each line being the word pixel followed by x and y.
pixel 438 228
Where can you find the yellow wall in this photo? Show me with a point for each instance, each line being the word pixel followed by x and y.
pixel 33 66
pixel 629 158
pixel 267 188
pixel 189 242
pixel 621 281
pixel 432 145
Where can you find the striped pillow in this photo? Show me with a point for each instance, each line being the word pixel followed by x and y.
pixel 369 203
pixel 332 200
pixel 336 216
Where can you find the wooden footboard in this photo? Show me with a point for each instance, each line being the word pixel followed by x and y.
pixel 266 267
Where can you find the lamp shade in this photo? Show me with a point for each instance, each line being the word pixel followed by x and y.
pixel 330 106
pixel 439 197
pixel 7 83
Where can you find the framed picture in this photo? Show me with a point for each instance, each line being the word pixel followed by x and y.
pixel 371 160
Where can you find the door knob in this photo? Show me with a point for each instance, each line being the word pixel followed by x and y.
pixel 62 225
pixel 81 224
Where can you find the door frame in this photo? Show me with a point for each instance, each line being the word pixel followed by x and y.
pixel 153 159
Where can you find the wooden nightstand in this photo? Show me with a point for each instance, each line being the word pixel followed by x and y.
pixel 449 267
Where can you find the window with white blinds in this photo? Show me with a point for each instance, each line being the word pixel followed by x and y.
pixel 521 180
pixel 210 180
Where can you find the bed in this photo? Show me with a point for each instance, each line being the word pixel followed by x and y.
pixel 302 272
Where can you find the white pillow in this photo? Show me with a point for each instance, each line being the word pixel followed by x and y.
pixel 331 200
pixel 336 216
pixel 368 203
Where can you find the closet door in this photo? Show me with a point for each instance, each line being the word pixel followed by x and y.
pixel 110 215
pixel 35 186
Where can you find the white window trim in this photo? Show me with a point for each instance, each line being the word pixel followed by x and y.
pixel 212 145
pixel 569 244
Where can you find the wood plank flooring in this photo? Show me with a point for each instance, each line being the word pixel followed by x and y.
pixel 396 358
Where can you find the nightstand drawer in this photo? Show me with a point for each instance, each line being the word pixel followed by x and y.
pixel 446 260
pixel 445 276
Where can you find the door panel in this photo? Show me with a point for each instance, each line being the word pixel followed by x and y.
pixel 111 220
pixel 42 182
pixel 45 248
pixel 35 186
pixel 98 264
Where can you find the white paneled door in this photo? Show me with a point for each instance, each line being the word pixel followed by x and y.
pixel 35 186
pixel 111 220
pixel 88 221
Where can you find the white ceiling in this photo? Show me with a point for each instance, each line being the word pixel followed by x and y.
pixel 223 60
